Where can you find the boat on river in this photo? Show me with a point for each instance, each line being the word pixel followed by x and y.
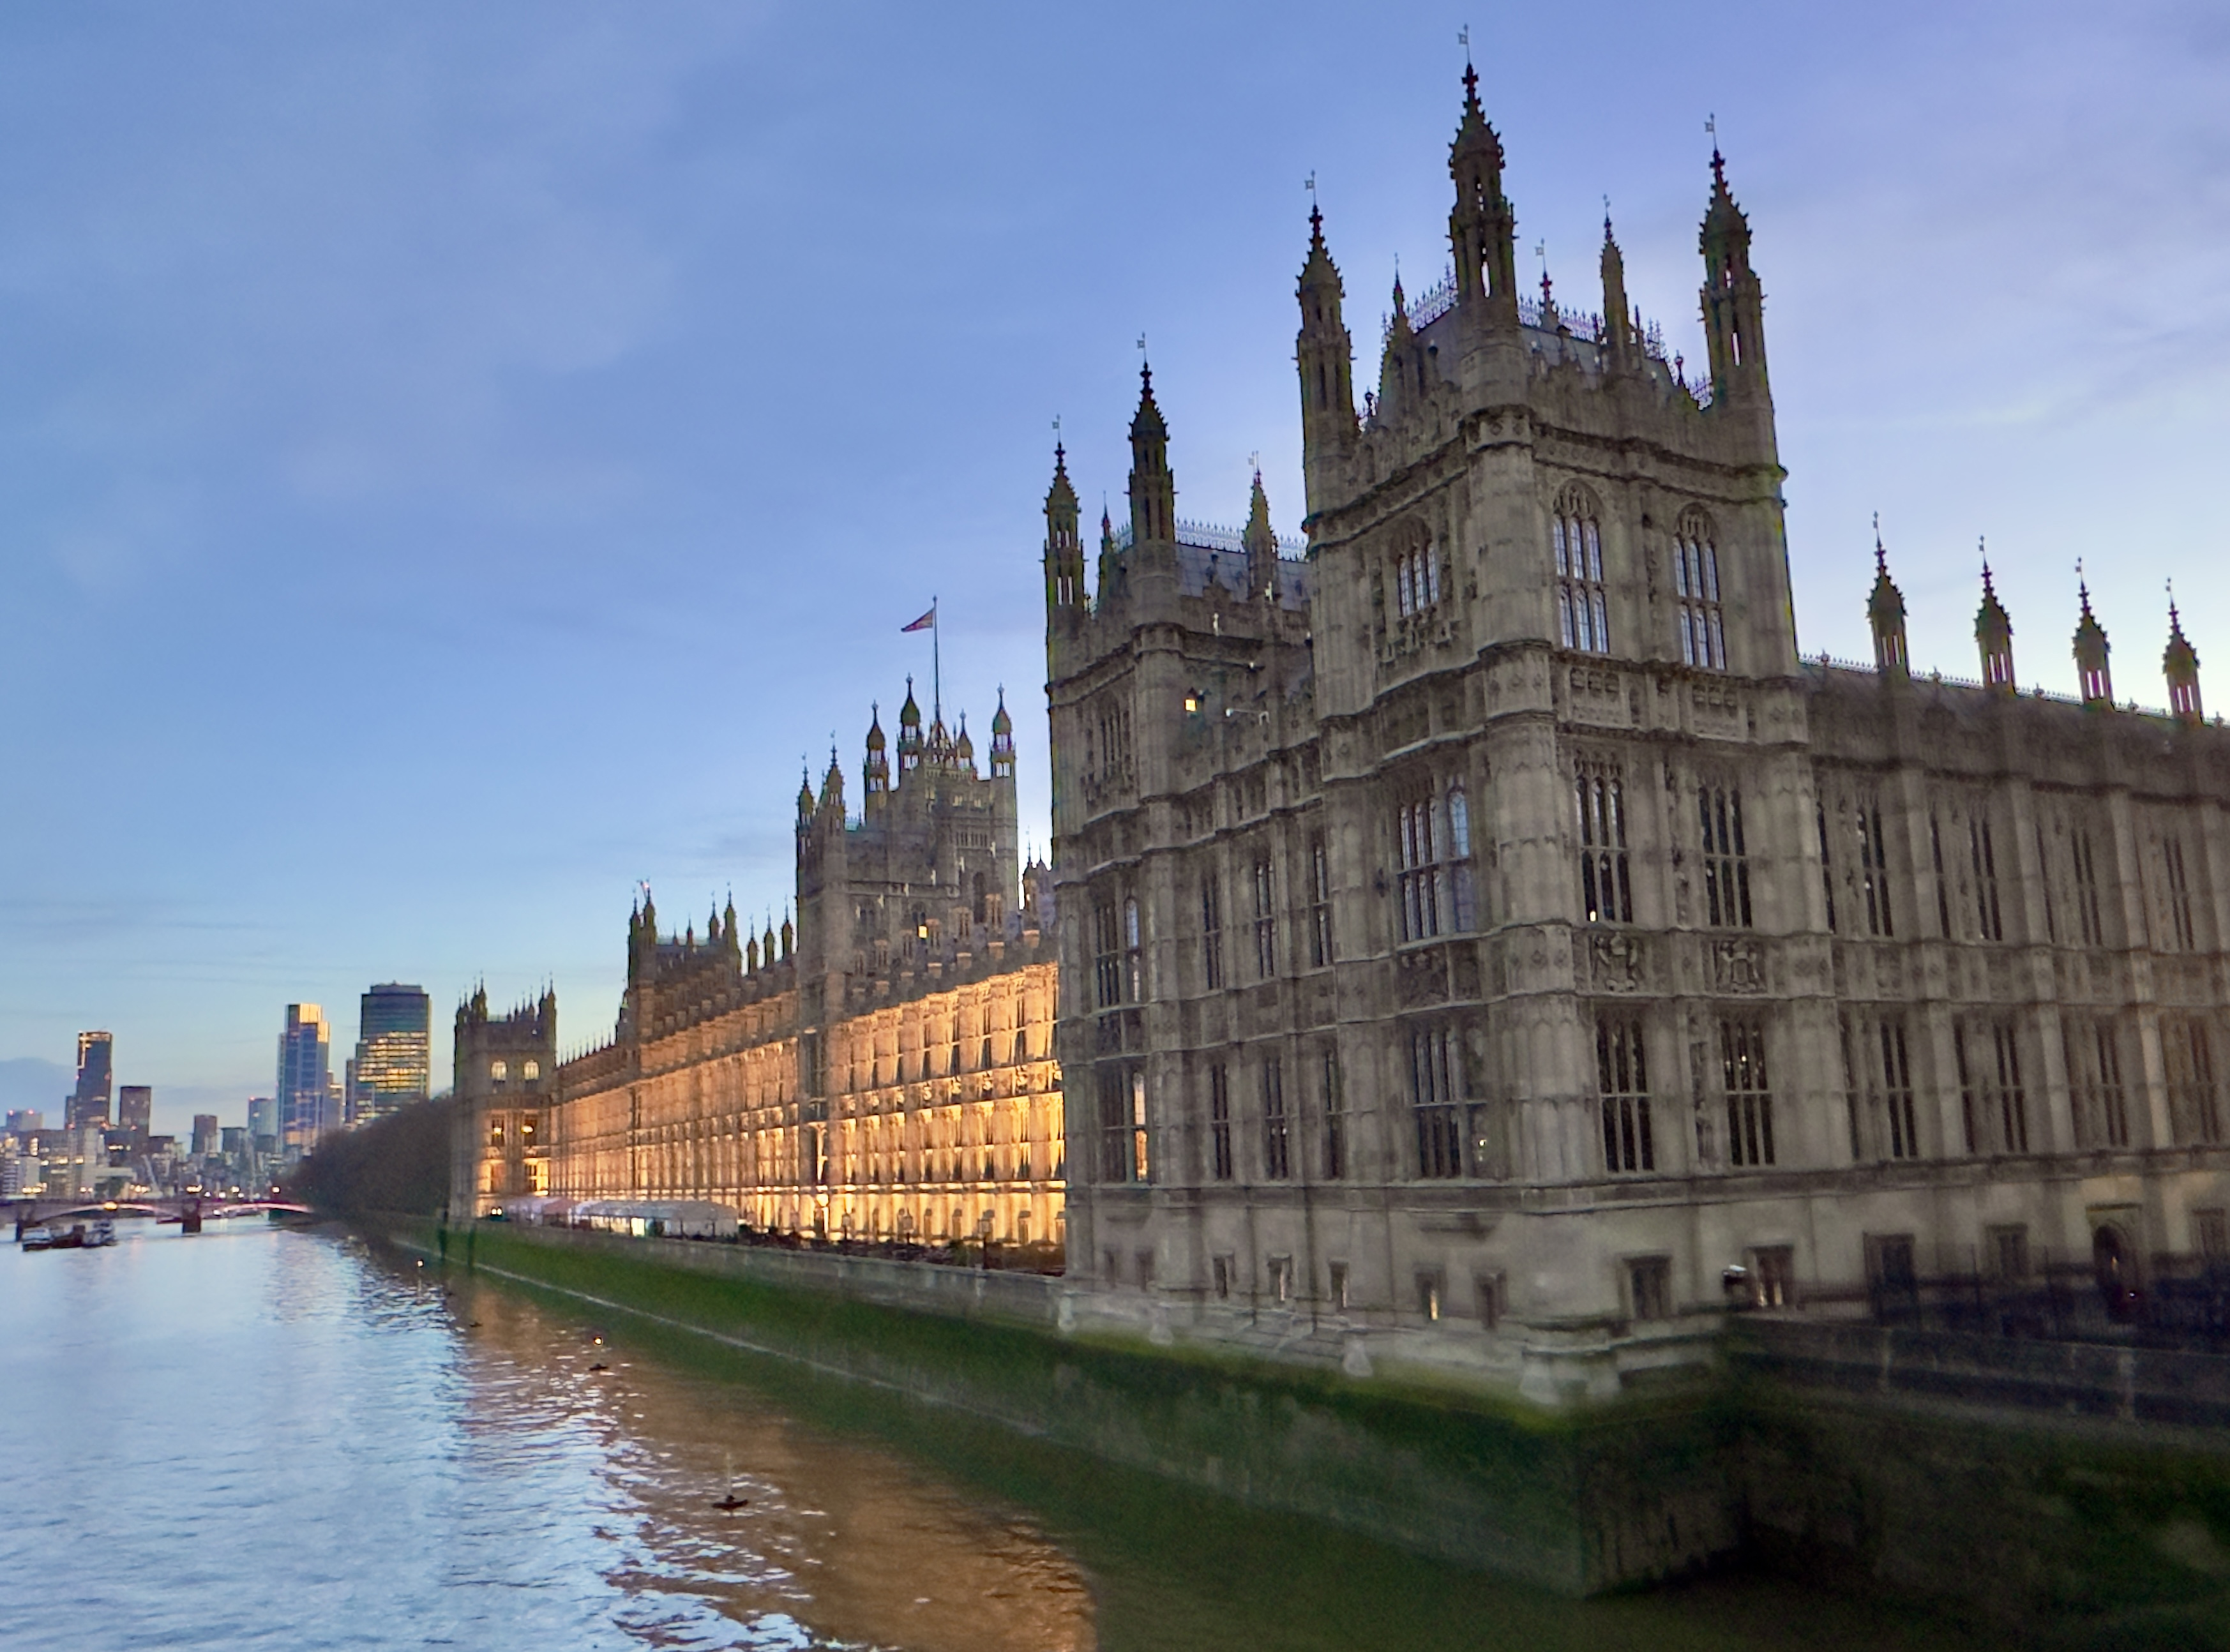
pixel 79 1237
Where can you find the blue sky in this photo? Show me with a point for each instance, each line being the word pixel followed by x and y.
pixel 455 460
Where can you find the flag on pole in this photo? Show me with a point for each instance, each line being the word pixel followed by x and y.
pixel 927 622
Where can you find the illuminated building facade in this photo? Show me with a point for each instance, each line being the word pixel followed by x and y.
pixel 307 1101
pixel 89 1100
pixel 1487 931
pixel 504 1066
pixel 392 1064
pixel 881 1069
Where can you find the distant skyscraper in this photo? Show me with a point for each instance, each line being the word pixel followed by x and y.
pixel 391 1068
pixel 205 1135
pixel 135 1108
pixel 23 1120
pixel 305 1088
pixel 263 1122
pixel 88 1102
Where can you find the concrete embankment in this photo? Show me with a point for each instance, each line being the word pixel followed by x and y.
pixel 1828 1453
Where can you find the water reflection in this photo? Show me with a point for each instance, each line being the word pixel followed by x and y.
pixel 266 1439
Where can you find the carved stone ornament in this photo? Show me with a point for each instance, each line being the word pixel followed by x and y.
pixel 1616 960
pixel 1736 966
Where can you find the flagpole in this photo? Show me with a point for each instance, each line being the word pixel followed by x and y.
pixel 936 666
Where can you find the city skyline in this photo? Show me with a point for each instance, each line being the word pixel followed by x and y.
pixel 1987 319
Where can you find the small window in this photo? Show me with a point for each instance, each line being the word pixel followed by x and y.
pixel 495 1133
pixel 1696 581
pixel 499 1070
pixel 1429 1296
pixel 530 1070
pixel 1649 1284
pixel 1219 1123
pixel 1145 1260
pixel 1337 1275
pixel 1281 1279
pixel 2009 1252
pixel 1487 1293
pixel 1889 1263
pixel 1773 1276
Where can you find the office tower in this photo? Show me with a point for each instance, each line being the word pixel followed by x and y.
pixel 88 1102
pixel 205 1135
pixel 135 1108
pixel 232 1140
pixel 391 1068
pixel 264 1124
pixel 305 1079
pixel 22 1121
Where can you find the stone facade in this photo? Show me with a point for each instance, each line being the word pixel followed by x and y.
pixel 1486 931
pixel 504 1086
pixel 883 1068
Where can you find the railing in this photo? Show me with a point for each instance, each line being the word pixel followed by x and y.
pixel 2178 1302
pixel 1208 536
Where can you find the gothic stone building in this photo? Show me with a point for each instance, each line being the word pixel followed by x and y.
pixel 499 1139
pixel 885 1070
pixel 1488 929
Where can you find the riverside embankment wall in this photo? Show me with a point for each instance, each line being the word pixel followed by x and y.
pixel 1988 1476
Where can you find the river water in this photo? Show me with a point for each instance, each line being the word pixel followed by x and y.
pixel 265 1439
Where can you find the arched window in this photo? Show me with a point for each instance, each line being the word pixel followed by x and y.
pixel 1696 580
pixel 1582 621
pixel 1417 576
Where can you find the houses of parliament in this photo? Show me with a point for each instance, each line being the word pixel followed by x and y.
pixel 1482 938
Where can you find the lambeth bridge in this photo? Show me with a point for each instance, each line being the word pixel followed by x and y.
pixel 182 1208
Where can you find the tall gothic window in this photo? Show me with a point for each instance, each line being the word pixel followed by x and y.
pixel 1987 920
pixel 2180 932
pixel 1107 971
pixel 1827 865
pixel 1335 1118
pixel 1873 869
pixel 2100 1104
pixel 1750 1099
pixel 1605 885
pixel 1211 932
pixel 1460 878
pixel 1417 841
pixel 1994 1106
pixel 2086 888
pixel 1320 902
pixel 1123 1155
pixel 1726 860
pixel 1134 956
pixel 1277 1130
pixel 1417 579
pixel 1695 582
pixel 1622 1080
pixel 1583 618
pixel 1885 1123
pixel 2189 1059
pixel 1435 1080
pixel 1266 923
pixel 1219 1123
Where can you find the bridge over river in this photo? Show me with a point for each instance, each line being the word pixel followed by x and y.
pixel 188 1210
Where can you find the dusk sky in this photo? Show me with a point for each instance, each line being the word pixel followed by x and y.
pixel 456 460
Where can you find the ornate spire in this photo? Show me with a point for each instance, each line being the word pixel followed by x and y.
pixel 1994 635
pixel 1064 554
pixel 1482 228
pixel 2180 664
pixel 1886 614
pixel 1324 355
pixel 1003 740
pixel 963 749
pixel 1261 543
pixel 1618 343
pixel 1734 301
pixel 909 734
pixel 2091 649
pixel 1153 490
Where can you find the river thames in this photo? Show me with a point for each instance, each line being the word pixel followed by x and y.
pixel 260 1438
